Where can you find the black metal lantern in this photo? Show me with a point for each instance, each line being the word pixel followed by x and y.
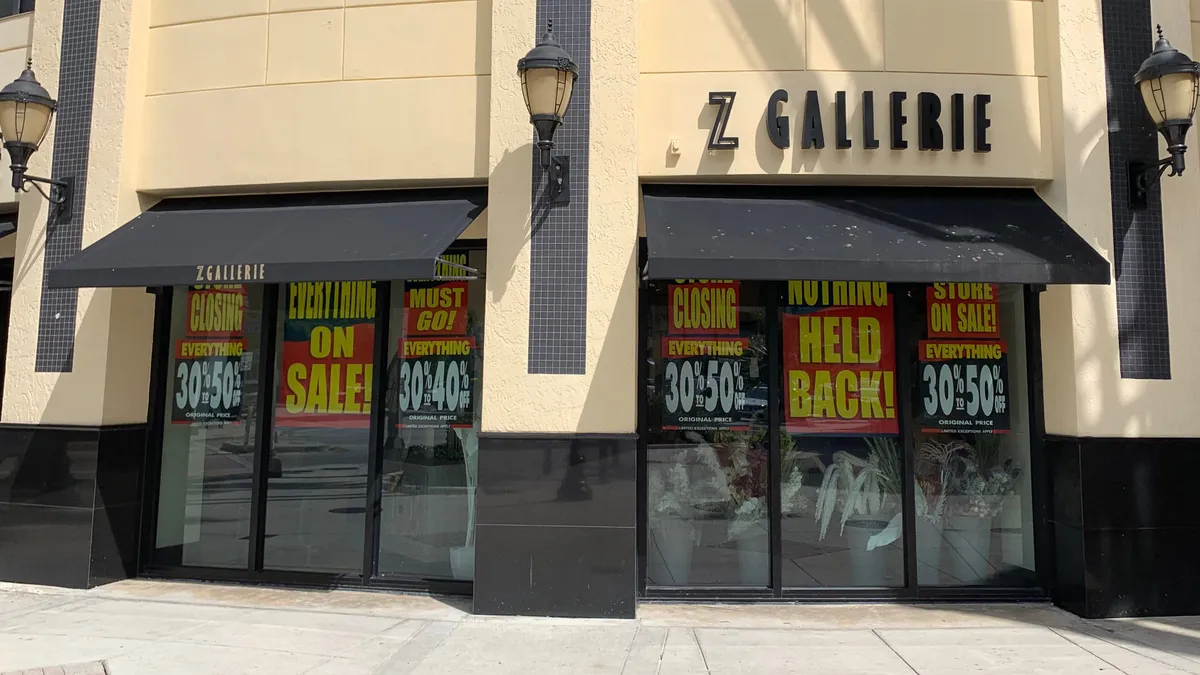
pixel 1167 82
pixel 547 80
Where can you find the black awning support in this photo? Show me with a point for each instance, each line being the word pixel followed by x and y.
pixel 901 235
pixel 346 236
pixel 471 272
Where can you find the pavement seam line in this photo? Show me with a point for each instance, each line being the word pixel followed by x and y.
pixel 662 651
pixel 1139 642
pixel 629 650
pixel 1117 668
pixel 386 665
pixel 900 656
pixel 374 636
pixel 703 657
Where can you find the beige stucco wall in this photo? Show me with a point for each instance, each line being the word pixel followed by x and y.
pixel 604 398
pixel 315 92
pixel 107 384
pixel 251 95
pixel 16 34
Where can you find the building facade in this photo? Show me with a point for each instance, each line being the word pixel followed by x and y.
pixel 842 299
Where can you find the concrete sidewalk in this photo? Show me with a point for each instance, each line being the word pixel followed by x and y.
pixel 162 628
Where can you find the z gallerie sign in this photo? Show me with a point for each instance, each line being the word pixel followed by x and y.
pixel 929 119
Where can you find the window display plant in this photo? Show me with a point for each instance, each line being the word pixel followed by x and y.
pixel 982 492
pixel 858 485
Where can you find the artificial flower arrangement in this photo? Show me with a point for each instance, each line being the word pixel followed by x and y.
pixel 859 485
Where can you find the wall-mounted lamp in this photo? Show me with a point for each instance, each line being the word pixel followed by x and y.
pixel 547 79
pixel 1167 82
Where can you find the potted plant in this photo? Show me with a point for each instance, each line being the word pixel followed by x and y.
pixel 746 476
pixel 976 498
pixel 673 537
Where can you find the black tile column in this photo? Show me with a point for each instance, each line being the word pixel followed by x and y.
pixel 1139 262
pixel 558 246
pixel 70 503
pixel 72 141
pixel 556 524
pixel 1125 527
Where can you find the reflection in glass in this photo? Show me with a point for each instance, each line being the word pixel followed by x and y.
pixel 841 504
pixel 707 458
pixel 210 422
pixel 316 489
pixel 427 519
pixel 973 496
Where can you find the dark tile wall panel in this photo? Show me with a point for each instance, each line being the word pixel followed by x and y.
pixel 559 240
pixel 1125 533
pixel 1139 264
pixel 556 525
pixel 70 503
pixel 72 138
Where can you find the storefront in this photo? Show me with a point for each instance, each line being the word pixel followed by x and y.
pixel 781 301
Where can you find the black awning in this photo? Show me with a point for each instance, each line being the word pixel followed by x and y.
pixel 999 235
pixel 349 236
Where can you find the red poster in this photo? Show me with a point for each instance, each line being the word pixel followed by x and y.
pixel 432 308
pixel 963 310
pixel 703 307
pixel 839 366
pixel 327 356
pixel 216 311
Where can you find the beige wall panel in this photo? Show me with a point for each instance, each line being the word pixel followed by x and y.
pixel 604 398
pixel 401 40
pixel 676 107
pixel 304 47
pixel 108 381
pixel 208 55
pixel 506 386
pixel 476 230
pixel 1194 11
pixel 721 35
pixel 845 34
pixel 1195 32
pixel 389 139
pixel 168 12
pixel 366 3
pixel 15 32
pixel 12 62
pixel 302 5
pixel 990 37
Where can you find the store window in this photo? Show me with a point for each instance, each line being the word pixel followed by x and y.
pixel 707 446
pixel 209 430
pixel 841 456
pixel 431 444
pixel 878 387
pixel 324 356
pixel 971 434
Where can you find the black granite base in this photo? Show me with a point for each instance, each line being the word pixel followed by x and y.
pixel 70 503
pixel 556 526
pixel 1125 526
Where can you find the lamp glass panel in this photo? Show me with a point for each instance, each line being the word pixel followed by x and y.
pixel 1170 97
pixel 566 82
pixel 24 122
pixel 541 91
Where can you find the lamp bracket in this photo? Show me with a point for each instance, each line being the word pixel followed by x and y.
pixel 1143 177
pixel 60 191
pixel 558 180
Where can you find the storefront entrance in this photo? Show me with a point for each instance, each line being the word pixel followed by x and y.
pixel 859 438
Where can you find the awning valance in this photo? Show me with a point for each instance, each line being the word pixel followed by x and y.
pixel 999 235
pixel 350 236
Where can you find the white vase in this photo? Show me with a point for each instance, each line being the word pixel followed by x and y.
pixel 754 565
pixel 1012 532
pixel 867 568
pixel 672 542
pixel 969 543
pixel 929 552
pixel 462 562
